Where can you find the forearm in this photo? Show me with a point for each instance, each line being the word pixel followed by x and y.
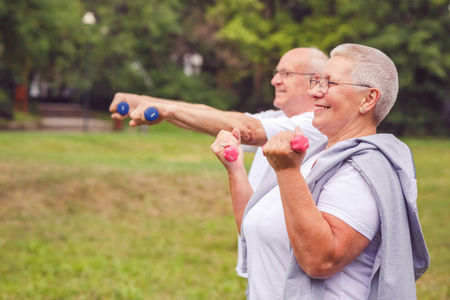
pixel 240 188
pixel 211 121
pixel 176 102
pixel 311 236
pixel 241 191
pixel 197 118
pixel 200 118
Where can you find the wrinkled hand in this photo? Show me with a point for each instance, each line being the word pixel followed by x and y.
pixel 138 117
pixel 278 151
pixel 227 139
pixel 133 101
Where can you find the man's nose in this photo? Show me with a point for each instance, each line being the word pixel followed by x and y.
pixel 276 79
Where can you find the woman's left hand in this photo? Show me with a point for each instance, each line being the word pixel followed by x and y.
pixel 227 139
pixel 279 152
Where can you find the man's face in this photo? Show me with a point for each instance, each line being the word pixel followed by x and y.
pixel 291 91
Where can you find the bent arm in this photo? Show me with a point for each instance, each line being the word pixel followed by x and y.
pixel 240 188
pixel 322 243
pixel 241 192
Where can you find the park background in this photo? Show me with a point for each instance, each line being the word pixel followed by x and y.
pixel 145 214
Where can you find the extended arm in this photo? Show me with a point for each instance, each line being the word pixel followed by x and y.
pixel 134 100
pixel 200 118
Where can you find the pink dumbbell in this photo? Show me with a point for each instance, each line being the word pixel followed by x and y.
pixel 300 143
pixel 231 153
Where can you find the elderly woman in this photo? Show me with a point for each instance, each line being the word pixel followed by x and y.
pixel 345 226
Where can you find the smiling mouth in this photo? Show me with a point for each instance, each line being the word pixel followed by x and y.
pixel 322 107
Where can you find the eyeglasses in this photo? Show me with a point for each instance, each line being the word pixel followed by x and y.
pixel 284 73
pixel 324 84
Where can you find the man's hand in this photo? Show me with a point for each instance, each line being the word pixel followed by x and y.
pixel 138 115
pixel 133 101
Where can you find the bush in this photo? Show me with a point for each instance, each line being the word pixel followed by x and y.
pixel 6 107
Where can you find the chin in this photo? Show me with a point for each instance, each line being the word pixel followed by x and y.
pixel 316 124
pixel 278 103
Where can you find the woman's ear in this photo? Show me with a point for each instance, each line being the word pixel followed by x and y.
pixel 371 99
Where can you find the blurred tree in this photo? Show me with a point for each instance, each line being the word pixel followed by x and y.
pixel 415 35
pixel 142 46
pixel 253 35
pixel 37 36
pixel 412 32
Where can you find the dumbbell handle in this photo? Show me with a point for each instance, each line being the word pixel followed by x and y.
pixel 150 114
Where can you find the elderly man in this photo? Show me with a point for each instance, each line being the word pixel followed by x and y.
pixel 291 82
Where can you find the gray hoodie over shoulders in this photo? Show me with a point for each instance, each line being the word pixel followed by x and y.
pixel 386 164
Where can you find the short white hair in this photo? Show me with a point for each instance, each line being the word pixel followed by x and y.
pixel 373 68
pixel 316 60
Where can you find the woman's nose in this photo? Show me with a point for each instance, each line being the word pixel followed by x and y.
pixel 315 92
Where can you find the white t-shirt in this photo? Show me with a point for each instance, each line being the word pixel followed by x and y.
pixel 346 196
pixel 273 121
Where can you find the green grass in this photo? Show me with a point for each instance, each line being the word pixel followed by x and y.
pixel 137 215
pixel 432 158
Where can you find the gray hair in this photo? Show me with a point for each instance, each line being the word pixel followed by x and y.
pixel 317 59
pixel 373 68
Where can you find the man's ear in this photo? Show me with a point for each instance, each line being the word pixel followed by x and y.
pixel 368 103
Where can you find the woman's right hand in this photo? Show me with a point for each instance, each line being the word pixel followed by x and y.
pixel 278 151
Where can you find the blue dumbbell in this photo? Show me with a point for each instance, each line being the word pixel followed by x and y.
pixel 150 114
pixel 123 108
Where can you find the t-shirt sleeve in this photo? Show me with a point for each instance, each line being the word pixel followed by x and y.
pixel 276 125
pixel 268 114
pixel 264 115
pixel 249 148
pixel 348 197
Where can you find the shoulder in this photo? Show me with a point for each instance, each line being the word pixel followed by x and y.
pixel 268 114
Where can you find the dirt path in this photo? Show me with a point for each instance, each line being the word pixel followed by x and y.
pixel 63 117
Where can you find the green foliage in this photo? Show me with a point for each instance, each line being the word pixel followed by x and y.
pixel 5 105
pixel 415 37
pixel 138 47
pixel 35 32
pixel 176 85
pixel 139 54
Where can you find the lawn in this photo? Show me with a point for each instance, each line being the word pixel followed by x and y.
pixel 146 215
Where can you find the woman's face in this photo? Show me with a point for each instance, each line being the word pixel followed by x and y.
pixel 337 111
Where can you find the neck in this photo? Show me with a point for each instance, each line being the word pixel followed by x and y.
pixel 355 133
